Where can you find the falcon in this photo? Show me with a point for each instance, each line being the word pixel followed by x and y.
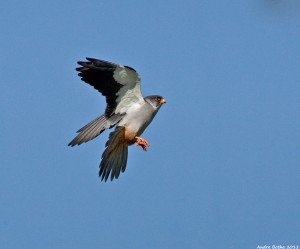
pixel 126 110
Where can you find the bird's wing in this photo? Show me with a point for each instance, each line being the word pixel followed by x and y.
pixel 119 84
pixel 95 128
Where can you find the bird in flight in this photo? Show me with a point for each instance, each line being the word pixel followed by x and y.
pixel 126 109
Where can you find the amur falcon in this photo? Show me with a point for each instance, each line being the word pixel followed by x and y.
pixel 126 110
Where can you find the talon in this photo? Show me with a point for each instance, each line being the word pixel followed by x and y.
pixel 142 142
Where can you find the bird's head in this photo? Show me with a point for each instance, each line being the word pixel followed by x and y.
pixel 155 100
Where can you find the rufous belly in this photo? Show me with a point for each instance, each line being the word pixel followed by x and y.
pixel 130 136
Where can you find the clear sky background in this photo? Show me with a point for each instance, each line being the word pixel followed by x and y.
pixel 223 167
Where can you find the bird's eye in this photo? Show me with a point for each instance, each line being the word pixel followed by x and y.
pixel 158 99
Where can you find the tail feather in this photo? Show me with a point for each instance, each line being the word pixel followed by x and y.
pixel 118 164
pixel 94 129
pixel 114 158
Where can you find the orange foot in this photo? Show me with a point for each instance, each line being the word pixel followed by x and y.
pixel 142 142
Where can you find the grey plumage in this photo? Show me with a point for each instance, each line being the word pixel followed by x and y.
pixel 95 128
pixel 126 108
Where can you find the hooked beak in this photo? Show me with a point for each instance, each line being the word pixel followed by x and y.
pixel 163 101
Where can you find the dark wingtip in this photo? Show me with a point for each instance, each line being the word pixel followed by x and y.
pixel 91 59
pixel 130 68
pixel 81 63
pixel 71 144
pixel 74 142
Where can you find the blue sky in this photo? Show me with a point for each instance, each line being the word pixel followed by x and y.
pixel 223 167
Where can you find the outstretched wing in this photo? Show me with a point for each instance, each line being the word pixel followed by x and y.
pixel 119 84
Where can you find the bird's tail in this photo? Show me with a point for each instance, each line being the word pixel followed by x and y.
pixel 94 129
pixel 114 158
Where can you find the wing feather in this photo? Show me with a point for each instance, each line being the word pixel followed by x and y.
pixel 119 84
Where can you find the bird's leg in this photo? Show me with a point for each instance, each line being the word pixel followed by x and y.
pixel 142 142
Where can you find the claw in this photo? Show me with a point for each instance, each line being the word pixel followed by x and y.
pixel 142 142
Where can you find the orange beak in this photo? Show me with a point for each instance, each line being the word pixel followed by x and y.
pixel 163 101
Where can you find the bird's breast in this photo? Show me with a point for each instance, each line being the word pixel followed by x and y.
pixel 137 119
